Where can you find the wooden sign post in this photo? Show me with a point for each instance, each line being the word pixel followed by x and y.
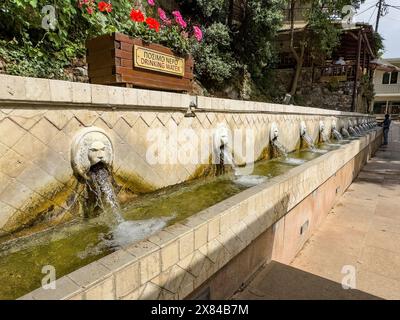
pixel 117 59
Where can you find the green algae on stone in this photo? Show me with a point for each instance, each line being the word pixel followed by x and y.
pixel 133 182
pixel 38 209
pixel 68 248
pixel 21 268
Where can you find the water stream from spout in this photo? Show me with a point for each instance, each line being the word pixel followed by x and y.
pixel 309 141
pixel 324 137
pixel 228 159
pixel 353 132
pixel 337 135
pixel 346 133
pixel 279 149
pixel 104 190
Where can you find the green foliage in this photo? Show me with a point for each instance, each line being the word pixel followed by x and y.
pixel 209 7
pixel 325 25
pixel 233 46
pixel 367 88
pixel 31 50
pixel 379 46
pixel 333 85
pixel 255 38
pixel 214 59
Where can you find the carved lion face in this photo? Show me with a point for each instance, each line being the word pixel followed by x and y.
pixel 90 146
pixel 97 152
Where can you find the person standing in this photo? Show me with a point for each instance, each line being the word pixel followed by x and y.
pixel 386 128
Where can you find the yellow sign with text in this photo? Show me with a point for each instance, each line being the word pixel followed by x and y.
pixel 157 61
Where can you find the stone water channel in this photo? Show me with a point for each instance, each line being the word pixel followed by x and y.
pixel 72 246
pixel 76 185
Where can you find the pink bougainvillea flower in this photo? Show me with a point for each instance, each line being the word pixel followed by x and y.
pixel 176 14
pixel 162 14
pixel 153 24
pixel 179 19
pixel 151 2
pixel 198 34
pixel 89 10
pixel 163 17
pixel 137 15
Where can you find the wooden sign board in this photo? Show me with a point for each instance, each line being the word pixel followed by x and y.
pixel 117 59
pixel 157 61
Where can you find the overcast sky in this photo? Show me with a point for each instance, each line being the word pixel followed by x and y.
pixel 389 25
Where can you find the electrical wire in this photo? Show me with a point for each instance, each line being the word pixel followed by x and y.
pixel 373 12
pixel 367 9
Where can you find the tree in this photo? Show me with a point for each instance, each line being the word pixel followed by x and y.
pixel 321 35
pixel 246 44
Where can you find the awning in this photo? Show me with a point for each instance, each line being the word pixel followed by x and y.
pixel 383 65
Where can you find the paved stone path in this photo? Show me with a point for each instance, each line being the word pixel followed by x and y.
pixel 362 231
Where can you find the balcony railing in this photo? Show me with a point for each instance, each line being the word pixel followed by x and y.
pixel 387 88
pixel 334 72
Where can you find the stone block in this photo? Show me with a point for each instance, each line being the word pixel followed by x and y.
pixel 169 255
pixel 16 194
pixel 143 97
pixel 115 95
pixel 12 88
pixel 142 249
pixel 170 279
pixel 37 89
pixel 130 97
pixel 162 238
pixel 81 92
pixel 186 245
pixel 150 267
pixel 117 260
pixel 155 98
pixel 60 91
pixel 127 279
pixel 65 288
pixel 90 275
pixel 7 126
pixel 102 291
pixel 44 131
pixel 200 236
pixel 6 212
pixel 13 163
pixel 100 94
pixel 149 291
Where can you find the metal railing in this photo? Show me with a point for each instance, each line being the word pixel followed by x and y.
pixel 330 72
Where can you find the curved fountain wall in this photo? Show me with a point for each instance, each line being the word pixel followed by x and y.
pixel 39 119
pixel 45 158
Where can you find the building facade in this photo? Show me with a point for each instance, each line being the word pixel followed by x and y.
pixel 387 87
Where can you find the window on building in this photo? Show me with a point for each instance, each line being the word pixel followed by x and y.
pixel 386 78
pixel 394 77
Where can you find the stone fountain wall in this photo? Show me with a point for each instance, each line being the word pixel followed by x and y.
pixel 212 253
pixel 39 119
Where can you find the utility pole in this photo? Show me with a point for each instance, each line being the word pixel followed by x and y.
pixel 379 14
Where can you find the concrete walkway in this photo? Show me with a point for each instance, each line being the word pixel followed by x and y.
pixel 361 234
